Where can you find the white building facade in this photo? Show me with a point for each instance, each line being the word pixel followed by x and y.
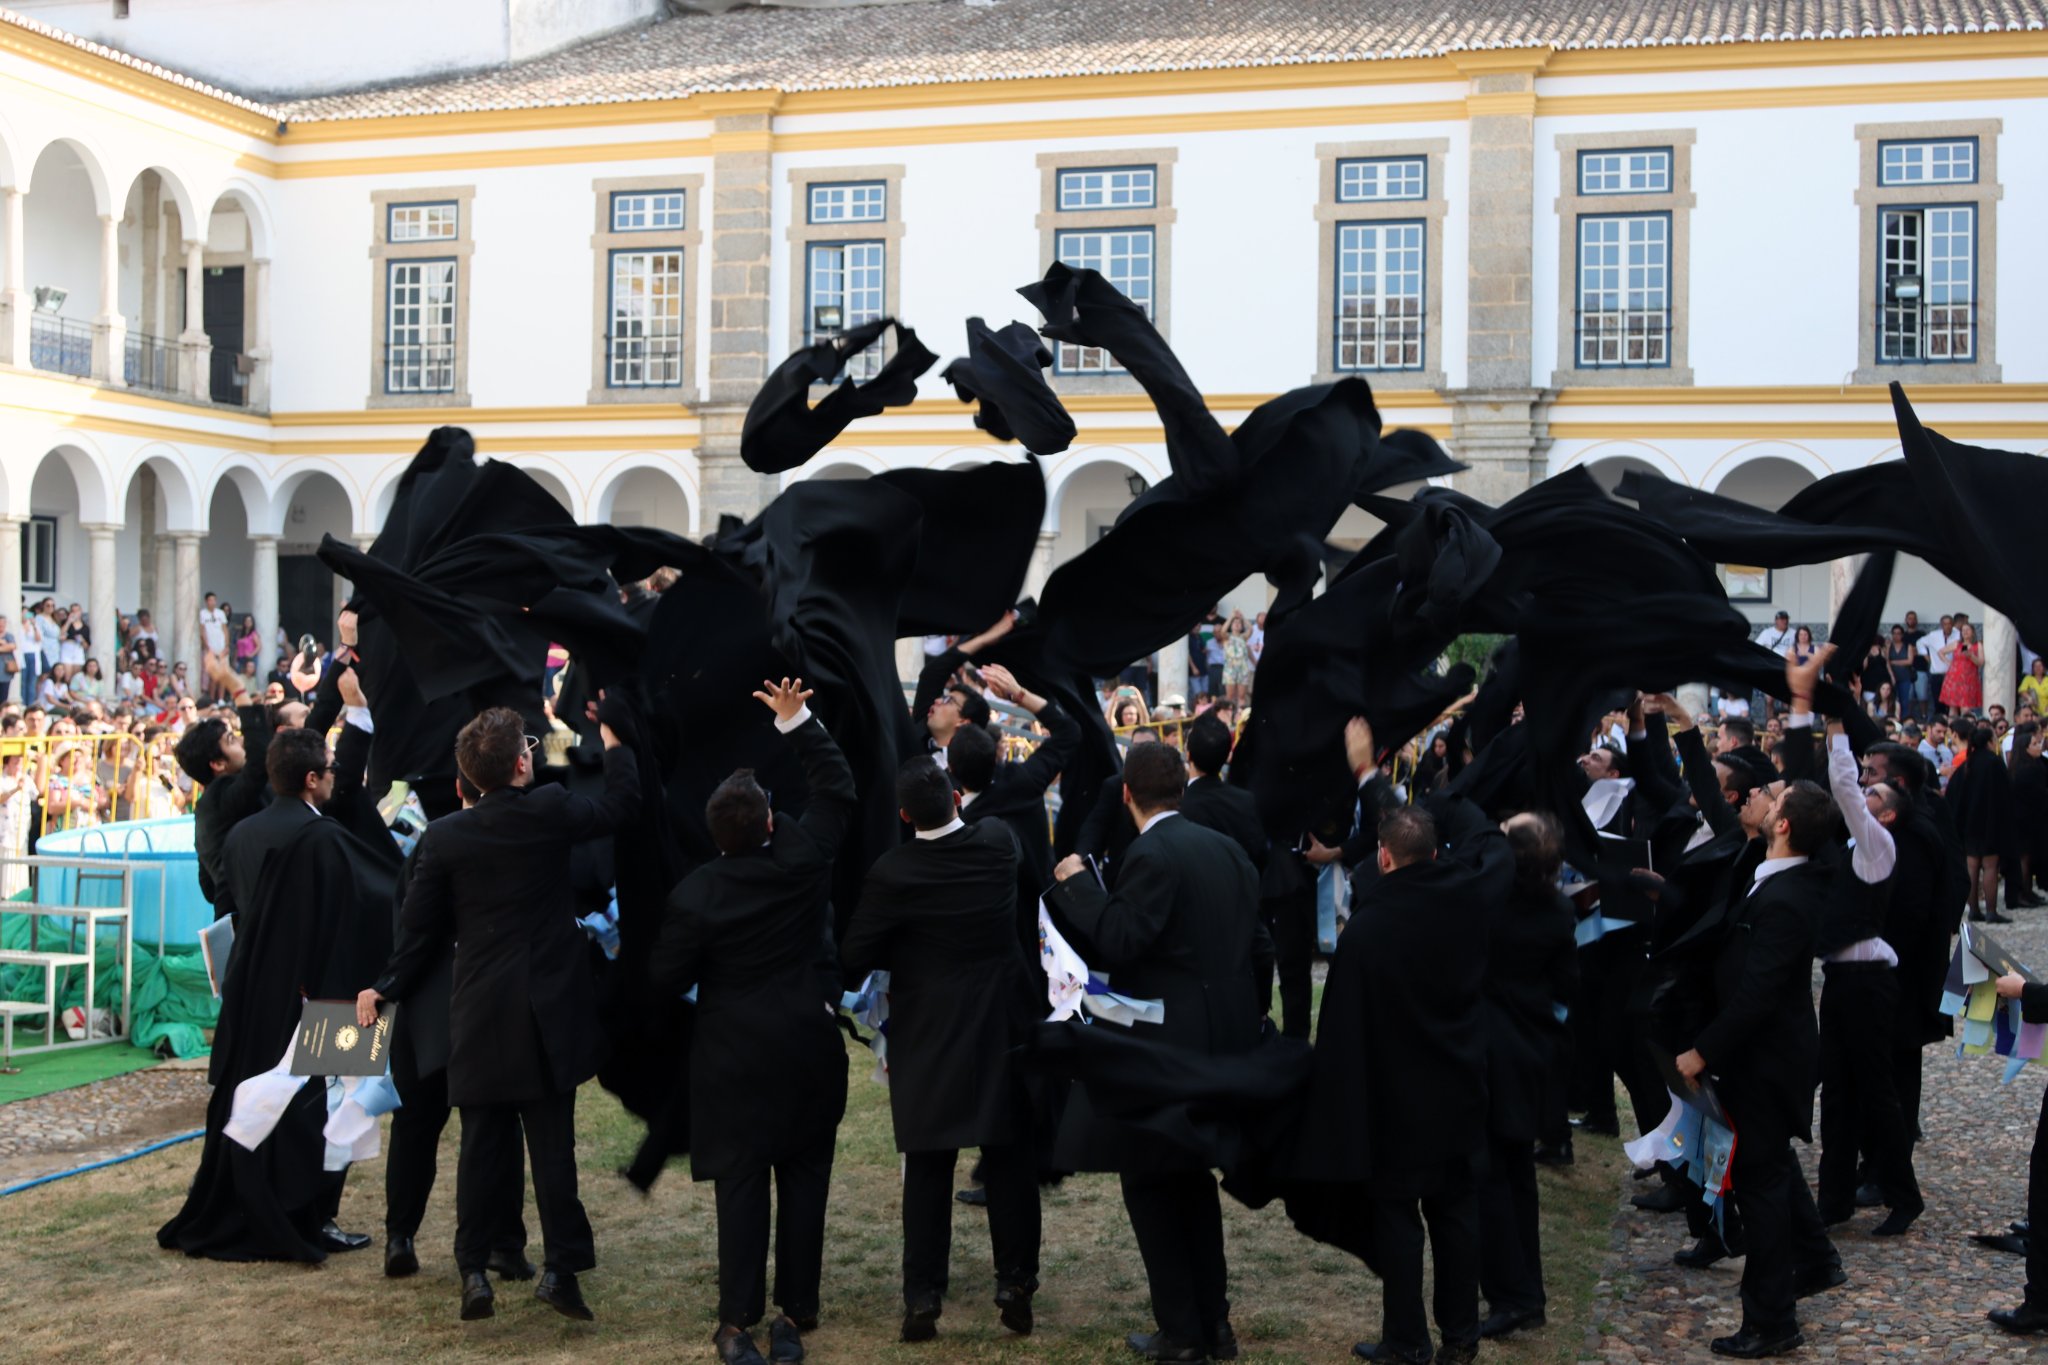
pixel 226 324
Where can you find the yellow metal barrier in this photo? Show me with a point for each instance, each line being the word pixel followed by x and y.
pixel 80 780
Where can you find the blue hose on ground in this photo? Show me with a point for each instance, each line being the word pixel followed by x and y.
pixel 96 1165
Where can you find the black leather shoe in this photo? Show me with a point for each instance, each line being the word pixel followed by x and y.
pixel 1392 1355
pixel 1661 1200
pixel 1223 1342
pixel 1555 1156
pixel 2024 1320
pixel 974 1196
pixel 785 1342
pixel 334 1239
pixel 1013 1306
pixel 1509 1320
pixel 1993 917
pixel 1807 1283
pixel 735 1347
pixel 557 1289
pixel 1164 1346
pixel 1753 1345
pixel 1703 1253
pixel 477 1296
pixel 1899 1219
pixel 399 1258
pixel 1870 1195
pixel 510 1265
pixel 921 1321
pixel 1463 1353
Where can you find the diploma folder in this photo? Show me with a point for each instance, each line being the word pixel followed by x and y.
pixel 216 941
pixel 331 1043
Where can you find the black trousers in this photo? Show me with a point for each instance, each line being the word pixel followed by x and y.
pixel 1610 1039
pixel 1178 1220
pixel 1291 920
pixel 490 1144
pixel 802 1184
pixel 2037 1213
pixel 1859 1101
pixel 414 1159
pixel 1781 1226
pixel 1010 1175
pixel 1511 1249
pixel 1453 1217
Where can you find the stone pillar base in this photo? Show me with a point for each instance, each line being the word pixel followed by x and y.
pixel 1504 434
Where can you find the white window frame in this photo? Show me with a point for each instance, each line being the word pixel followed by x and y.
pixel 1899 168
pixel 437 220
pixel 652 357
pixel 1096 248
pixel 1382 179
pixel 1408 325
pixel 1640 335
pixel 859 301
pixel 1625 170
pixel 649 210
pixel 422 328
pixel 1932 335
pixel 847 201
pixel 1096 189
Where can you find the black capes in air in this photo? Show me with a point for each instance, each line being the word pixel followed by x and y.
pixel 783 429
pixel 1004 371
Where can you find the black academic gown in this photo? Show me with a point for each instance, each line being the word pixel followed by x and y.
pixel 751 930
pixel 313 906
pixel 937 916
pixel 226 802
pixel 1531 964
pixel 1016 796
pixel 1181 927
pixel 1980 795
pixel 1231 811
pixel 1763 1044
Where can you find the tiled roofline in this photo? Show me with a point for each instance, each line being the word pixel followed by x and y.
pixel 14 19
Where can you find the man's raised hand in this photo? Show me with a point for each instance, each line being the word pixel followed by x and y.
pixel 785 698
pixel 1358 744
pixel 1801 679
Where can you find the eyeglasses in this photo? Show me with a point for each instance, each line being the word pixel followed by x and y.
pixel 532 745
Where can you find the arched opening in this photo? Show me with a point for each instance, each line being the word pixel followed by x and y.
pixel 234 276
pixel 645 497
pixel 839 471
pixel 54 559
pixel 1608 470
pixel 61 224
pixel 308 595
pixel 557 490
pixel 1089 501
pixel 155 211
pixel 226 567
pixel 159 498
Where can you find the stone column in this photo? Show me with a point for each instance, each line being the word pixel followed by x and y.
pixel 195 375
pixel 1497 424
pixel 102 611
pixel 110 329
pixel 742 251
pixel 15 301
pixel 2001 660
pixel 259 339
pixel 1842 577
pixel 10 588
pixel 1173 671
pixel 184 628
pixel 1041 564
pixel 263 581
pixel 163 602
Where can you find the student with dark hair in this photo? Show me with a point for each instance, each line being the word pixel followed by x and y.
pixel 313 920
pixel 1181 927
pixel 936 914
pixel 228 770
pixel 1762 1046
pixel 495 880
pixel 767 1069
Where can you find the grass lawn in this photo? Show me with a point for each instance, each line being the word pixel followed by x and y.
pixel 90 1283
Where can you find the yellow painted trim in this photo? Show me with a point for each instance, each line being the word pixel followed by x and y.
pixel 128 80
pixel 128 398
pixel 1794 97
pixel 1784 431
pixel 1502 61
pixel 1779 55
pixel 1509 102
pixel 742 141
pixel 1760 395
pixel 480 159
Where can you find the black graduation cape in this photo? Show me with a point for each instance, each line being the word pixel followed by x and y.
pixel 1004 371
pixel 320 927
pixel 783 430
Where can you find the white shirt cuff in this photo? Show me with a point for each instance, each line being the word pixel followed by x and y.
pixel 359 716
pixel 785 726
pixel 1799 720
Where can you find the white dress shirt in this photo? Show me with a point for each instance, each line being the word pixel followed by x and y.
pixel 956 823
pixel 1777 641
pixel 1931 645
pixel 1155 817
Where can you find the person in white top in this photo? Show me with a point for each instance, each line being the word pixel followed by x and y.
pixel 1778 636
pixel 1937 646
pixel 213 625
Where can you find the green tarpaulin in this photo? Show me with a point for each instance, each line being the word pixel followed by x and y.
pixel 172 1001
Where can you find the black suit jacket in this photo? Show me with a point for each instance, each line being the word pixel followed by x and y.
pixel 495 880
pixel 1182 927
pixel 749 930
pixel 936 915
pixel 1763 1044
pixel 1016 796
pixel 1215 804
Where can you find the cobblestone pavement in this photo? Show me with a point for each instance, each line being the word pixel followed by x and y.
pixel 86 1123
pixel 1921 1297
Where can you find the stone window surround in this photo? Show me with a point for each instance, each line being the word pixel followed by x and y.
pixel 688 239
pixel 1678 202
pixel 1160 218
pixel 1430 209
pixel 383 251
pixel 1872 197
pixel 804 234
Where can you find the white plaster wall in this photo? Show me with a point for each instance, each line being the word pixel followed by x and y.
pixel 54 494
pixel 226 564
pixel 62 225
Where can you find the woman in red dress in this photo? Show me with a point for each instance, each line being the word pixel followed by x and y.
pixel 1963 688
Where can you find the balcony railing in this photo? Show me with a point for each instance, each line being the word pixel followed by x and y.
pixel 150 363
pixel 60 345
pixel 640 362
pixel 228 376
